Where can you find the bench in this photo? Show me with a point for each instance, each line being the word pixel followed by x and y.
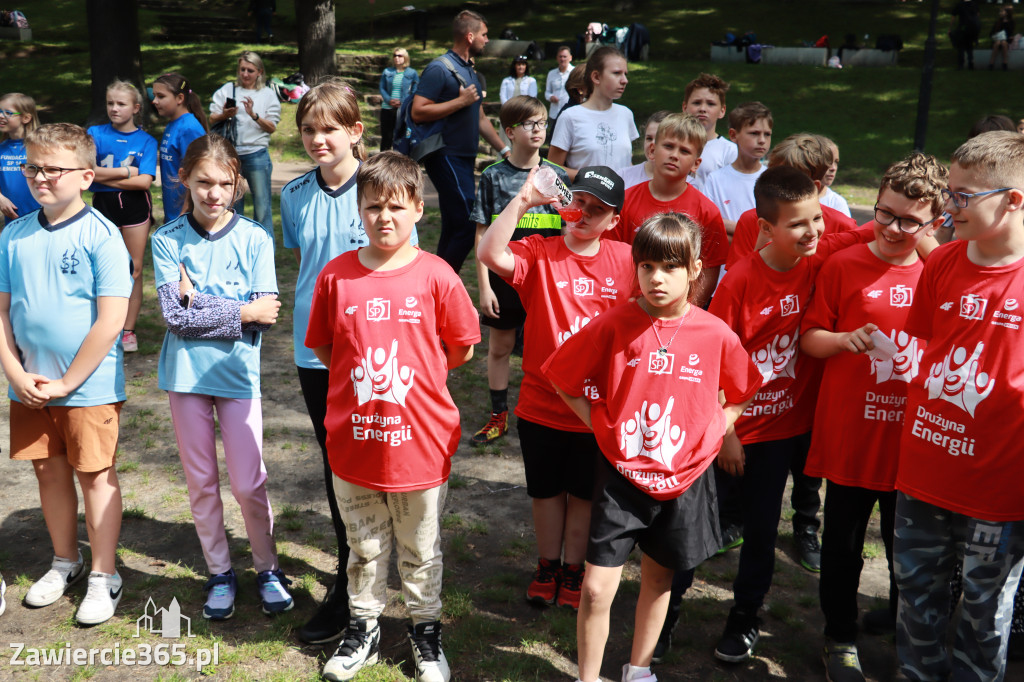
pixel 14 33
pixel 810 56
pixel 1015 58
pixel 506 48
pixel 870 57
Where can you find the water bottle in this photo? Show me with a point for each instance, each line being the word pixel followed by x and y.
pixel 547 183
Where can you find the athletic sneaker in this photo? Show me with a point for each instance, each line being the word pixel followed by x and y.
pixel 841 662
pixel 638 675
pixel 740 637
pixel 431 665
pixel 492 430
pixel 3 591
pixel 569 586
pixel 220 596
pixel 544 587
pixel 129 341
pixel 273 594
pixel 51 587
pixel 101 598
pixel 809 549
pixel 359 648
pixel 329 621
pixel 732 537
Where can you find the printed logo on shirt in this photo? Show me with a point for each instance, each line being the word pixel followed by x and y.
pixel 378 309
pixel 660 363
pixel 609 281
pixel 351 310
pixel 957 379
pixel 901 296
pixel 948 305
pixel 1010 304
pixel 577 325
pixel 605 135
pixel 650 433
pixel 561 284
pixel 69 261
pixel 904 365
pixel 767 310
pixel 1008 320
pixel 777 359
pixel 379 377
pixel 874 293
pixel 790 305
pixel 972 307
pixel 411 302
pixel 583 286
pixel 635 362
pixel 693 359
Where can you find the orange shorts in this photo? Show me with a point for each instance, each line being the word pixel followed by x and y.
pixel 87 436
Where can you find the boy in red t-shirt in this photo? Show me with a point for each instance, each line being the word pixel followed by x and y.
pixel 811 154
pixel 861 293
pixel 652 400
pixel 390 321
pixel 960 468
pixel 763 299
pixel 564 283
pixel 677 149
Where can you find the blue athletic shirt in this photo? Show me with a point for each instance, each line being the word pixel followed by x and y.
pixel 54 274
pixel 115 149
pixel 178 135
pixel 461 130
pixel 322 224
pixel 13 184
pixel 232 263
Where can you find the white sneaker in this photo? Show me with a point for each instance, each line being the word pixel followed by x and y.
pixel 360 647
pixel 431 665
pixel 100 600
pixel 3 590
pixel 51 587
pixel 637 675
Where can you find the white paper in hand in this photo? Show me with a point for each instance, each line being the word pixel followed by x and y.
pixel 884 348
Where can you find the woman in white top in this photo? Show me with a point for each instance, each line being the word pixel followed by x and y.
pixel 598 132
pixel 257 112
pixel 519 81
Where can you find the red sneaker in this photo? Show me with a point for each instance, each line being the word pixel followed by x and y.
pixel 494 429
pixel 570 586
pixel 545 582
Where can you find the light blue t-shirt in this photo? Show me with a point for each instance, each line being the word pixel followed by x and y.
pixel 54 274
pixel 322 224
pixel 13 184
pixel 115 149
pixel 233 263
pixel 178 135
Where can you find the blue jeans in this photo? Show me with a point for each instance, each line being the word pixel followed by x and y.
pixel 453 179
pixel 256 169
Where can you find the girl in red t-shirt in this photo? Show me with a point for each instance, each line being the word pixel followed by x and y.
pixel 653 401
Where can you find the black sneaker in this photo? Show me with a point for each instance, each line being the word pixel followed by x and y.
pixel 809 549
pixel 740 637
pixel 662 647
pixel 878 622
pixel 359 648
pixel 431 665
pixel 329 621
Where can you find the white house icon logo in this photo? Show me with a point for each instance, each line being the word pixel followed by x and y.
pixel 170 620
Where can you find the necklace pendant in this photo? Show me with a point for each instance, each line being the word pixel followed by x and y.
pixel 663 352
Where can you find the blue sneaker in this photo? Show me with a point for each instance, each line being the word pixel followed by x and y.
pixel 273 594
pixel 220 596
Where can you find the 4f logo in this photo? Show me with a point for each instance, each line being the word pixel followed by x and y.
pixel 972 307
pixel 660 363
pixel 790 305
pixel 583 286
pixel 378 309
pixel 901 296
pixel 68 262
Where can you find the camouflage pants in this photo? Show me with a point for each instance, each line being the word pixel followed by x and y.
pixel 928 543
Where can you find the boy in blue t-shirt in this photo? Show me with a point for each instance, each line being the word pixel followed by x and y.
pixel 65 279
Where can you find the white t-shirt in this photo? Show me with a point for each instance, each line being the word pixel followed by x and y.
pixel 732 191
pixel 718 153
pixel 251 137
pixel 555 85
pixel 633 175
pixel 596 138
pixel 833 200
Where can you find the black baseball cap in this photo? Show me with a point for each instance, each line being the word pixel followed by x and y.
pixel 603 183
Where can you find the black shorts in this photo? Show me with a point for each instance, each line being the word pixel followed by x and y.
pixel 678 534
pixel 558 461
pixel 511 312
pixel 128 208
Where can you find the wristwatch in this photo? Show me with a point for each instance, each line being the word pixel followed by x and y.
pixel 255 117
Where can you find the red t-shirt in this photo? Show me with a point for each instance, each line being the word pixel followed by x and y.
pixel 861 403
pixel 765 307
pixel 744 237
pixel 391 423
pixel 961 448
pixel 640 205
pixel 561 292
pixel 656 417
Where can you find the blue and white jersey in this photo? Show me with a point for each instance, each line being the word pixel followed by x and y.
pixel 178 135
pixel 13 184
pixel 233 263
pixel 55 274
pixel 115 149
pixel 322 224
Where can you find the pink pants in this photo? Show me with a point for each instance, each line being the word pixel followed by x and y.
pixel 241 428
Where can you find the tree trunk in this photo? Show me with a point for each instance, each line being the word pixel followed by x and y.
pixel 316 21
pixel 114 51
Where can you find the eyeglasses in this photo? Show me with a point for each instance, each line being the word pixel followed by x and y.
pixel 521 58
pixel 7 113
pixel 959 199
pixel 907 225
pixel 530 126
pixel 30 170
